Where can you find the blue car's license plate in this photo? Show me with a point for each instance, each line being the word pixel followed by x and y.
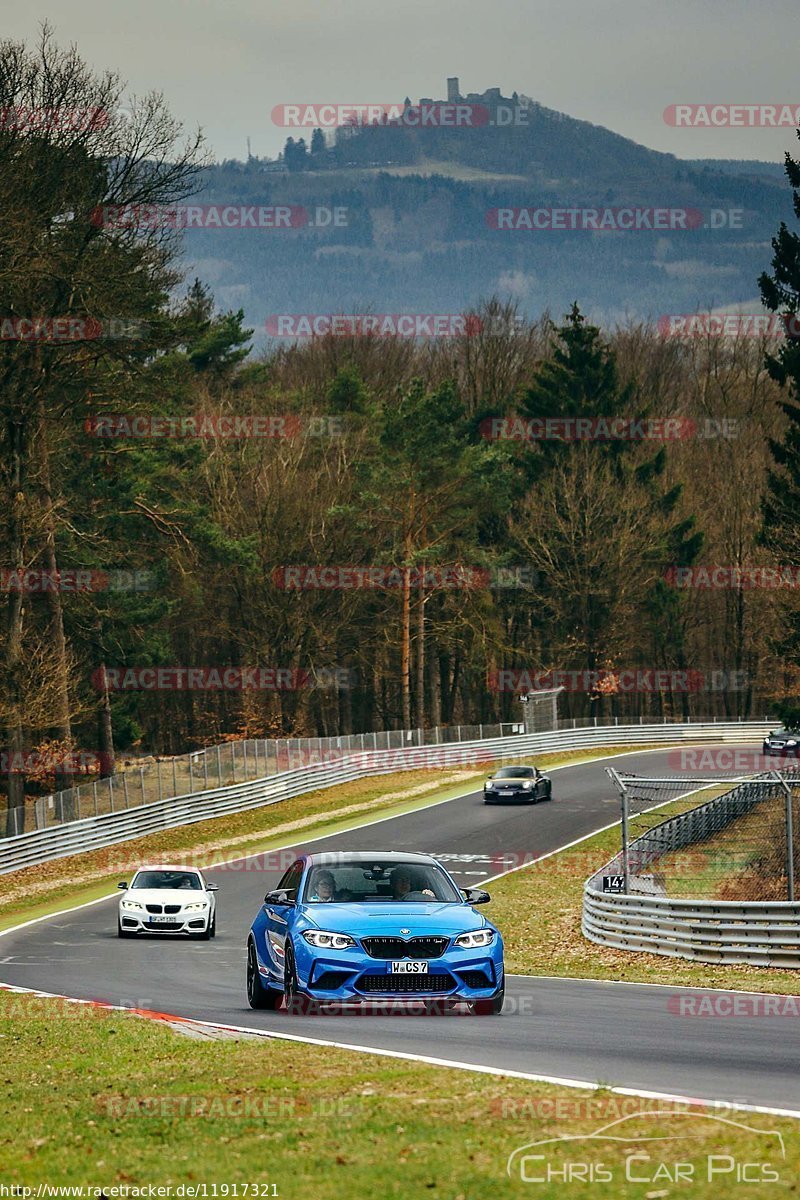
pixel 409 967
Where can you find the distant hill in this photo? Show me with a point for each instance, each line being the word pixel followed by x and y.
pixel 415 230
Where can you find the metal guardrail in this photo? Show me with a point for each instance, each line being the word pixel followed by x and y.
pixel 762 933
pixel 92 833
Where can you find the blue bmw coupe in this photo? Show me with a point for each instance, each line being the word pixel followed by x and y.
pixel 366 926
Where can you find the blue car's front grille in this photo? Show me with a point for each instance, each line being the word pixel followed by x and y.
pixel 397 947
pixel 405 984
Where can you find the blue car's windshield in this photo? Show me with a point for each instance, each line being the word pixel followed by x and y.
pixel 355 882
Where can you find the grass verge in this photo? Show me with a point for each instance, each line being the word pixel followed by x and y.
pixel 103 1100
pixel 37 891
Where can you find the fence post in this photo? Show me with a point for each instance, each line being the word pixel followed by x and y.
pixel 191 776
pixel 787 787
pixel 219 765
pixel 174 777
pixel 623 797
pixel 205 769
pixel 94 793
pixel 244 752
pixel 111 793
pixel 141 781
pixel 233 761
pixel 160 785
pixel 125 787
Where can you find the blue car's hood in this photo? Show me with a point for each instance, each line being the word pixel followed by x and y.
pixel 381 919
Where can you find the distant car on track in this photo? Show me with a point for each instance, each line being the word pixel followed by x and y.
pixel 168 899
pixel 785 742
pixel 365 926
pixel 526 784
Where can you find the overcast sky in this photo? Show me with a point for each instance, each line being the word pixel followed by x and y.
pixel 224 64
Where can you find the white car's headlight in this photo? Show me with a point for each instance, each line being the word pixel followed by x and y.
pixel 328 941
pixel 792 742
pixel 194 907
pixel 131 904
pixel 471 941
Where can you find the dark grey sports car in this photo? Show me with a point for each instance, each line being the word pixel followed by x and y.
pixel 783 741
pixel 525 784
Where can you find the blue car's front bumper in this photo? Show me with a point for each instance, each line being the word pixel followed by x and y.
pixel 350 975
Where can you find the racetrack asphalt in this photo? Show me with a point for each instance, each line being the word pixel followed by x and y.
pixel 620 1034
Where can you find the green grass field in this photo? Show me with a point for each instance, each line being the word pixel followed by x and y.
pixel 109 1100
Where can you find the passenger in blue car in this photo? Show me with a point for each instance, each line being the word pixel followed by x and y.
pixel 323 889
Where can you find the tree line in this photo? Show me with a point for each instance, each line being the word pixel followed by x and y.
pixel 357 532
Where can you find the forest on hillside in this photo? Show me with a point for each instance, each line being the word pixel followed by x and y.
pixel 357 532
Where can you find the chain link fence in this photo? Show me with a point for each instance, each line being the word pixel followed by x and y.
pixel 734 839
pixel 153 779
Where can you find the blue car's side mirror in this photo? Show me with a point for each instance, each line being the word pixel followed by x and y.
pixel 279 897
pixel 476 896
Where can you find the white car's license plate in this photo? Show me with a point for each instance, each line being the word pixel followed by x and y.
pixel 164 920
pixel 409 967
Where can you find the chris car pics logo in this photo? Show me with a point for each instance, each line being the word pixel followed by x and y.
pixel 629 1151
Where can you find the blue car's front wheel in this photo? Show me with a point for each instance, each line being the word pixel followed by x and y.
pixel 491 1007
pixel 258 996
pixel 297 1001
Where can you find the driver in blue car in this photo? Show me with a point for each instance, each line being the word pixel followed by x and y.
pixel 401 886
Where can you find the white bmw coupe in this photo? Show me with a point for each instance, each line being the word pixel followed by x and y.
pixel 168 900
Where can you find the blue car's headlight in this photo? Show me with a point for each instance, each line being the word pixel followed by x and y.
pixel 328 941
pixel 471 941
